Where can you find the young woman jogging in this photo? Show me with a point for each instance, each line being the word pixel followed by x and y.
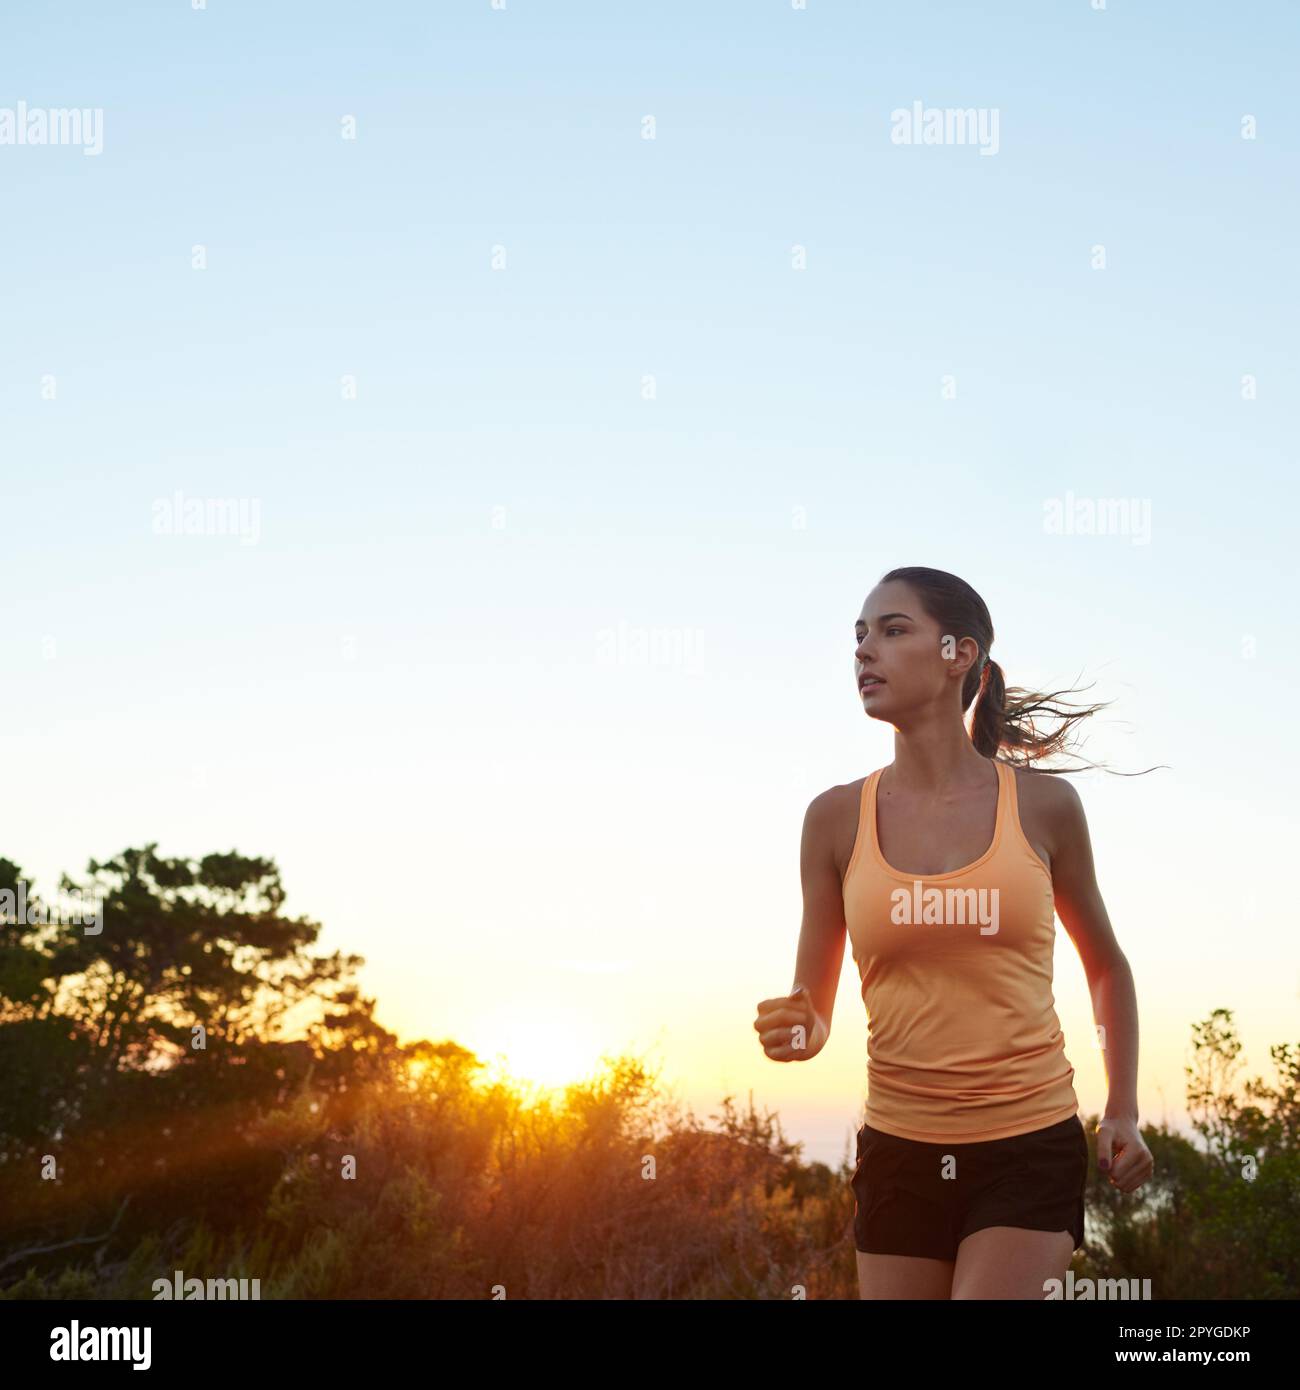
pixel 945 869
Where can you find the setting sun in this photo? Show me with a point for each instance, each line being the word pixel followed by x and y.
pixel 547 1051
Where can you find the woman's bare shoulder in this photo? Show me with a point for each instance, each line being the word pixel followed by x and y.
pixel 833 817
pixel 1049 797
pixel 849 792
pixel 839 797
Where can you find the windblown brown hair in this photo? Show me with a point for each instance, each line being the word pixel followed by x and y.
pixel 1004 719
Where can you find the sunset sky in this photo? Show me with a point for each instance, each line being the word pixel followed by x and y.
pixel 566 457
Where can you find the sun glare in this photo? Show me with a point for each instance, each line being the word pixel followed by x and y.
pixel 547 1053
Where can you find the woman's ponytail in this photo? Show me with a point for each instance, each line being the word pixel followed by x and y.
pixel 1002 718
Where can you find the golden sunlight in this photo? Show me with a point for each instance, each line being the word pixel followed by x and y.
pixel 549 1052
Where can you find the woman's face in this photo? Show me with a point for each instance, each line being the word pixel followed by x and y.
pixel 917 664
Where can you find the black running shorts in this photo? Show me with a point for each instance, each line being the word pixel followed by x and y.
pixel 917 1198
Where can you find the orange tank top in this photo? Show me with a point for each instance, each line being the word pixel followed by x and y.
pixel 963 1039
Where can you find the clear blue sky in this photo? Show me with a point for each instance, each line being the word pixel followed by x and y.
pixel 405 689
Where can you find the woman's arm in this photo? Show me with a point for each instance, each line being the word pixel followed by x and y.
pixel 1110 982
pixel 821 933
pixel 821 943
